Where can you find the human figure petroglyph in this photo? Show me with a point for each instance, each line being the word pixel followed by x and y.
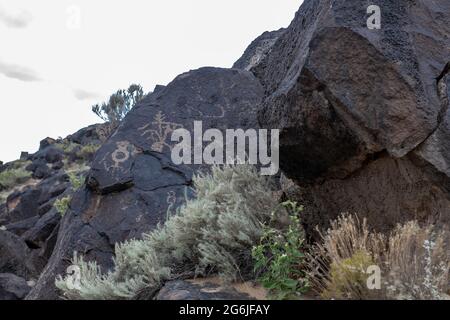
pixel 158 131
pixel 171 198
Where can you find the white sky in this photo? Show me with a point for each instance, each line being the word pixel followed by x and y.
pixel 51 72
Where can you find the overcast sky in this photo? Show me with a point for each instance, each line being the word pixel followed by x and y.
pixel 59 57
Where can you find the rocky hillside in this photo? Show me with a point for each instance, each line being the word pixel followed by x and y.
pixel 365 128
pixel 35 195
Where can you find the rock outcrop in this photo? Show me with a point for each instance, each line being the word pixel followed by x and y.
pixel 258 50
pixel 184 290
pixel 29 221
pixel 363 113
pixel 364 123
pixel 12 287
pixel 133 184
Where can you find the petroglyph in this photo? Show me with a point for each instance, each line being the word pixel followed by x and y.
pixel 122 154
pixel 159 131
pixel 171 198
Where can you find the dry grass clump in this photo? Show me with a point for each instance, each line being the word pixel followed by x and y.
pixel 414 262
pixel 418 262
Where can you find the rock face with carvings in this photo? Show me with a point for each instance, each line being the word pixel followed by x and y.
pixel 364 123
pixel 133 184
pixel 364 113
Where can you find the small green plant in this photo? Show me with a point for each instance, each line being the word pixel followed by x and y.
pixel 67 147
pixel 279 257
pixel 62 205
pixel 13 177
pixel 88 150
pixel 75 180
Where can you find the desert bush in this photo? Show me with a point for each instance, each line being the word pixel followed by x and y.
pixel 62 205
pixel 67 147
pixel 280 259
pixel 13 177
pixel 414 262
pixel 76 181
pixel 88 151
pixel 213 233
pixel 119 104
pixel 418 262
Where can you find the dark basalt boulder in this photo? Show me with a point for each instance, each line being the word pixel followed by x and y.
pixel 184 290
pixel 258 50
pixel 23 205
pixel 94 134
pixel 133 184
pixel 364 114
pixel 17 258
pixel 21 226
pixel 13 287
pixel 36 236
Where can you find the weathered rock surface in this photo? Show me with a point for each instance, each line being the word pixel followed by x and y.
pixel 13 287
pixel 184 290
pixel 133 185
pixel 258 50
pixel 17 258
pixel 364 113
pixel 29 223
pixel 365 128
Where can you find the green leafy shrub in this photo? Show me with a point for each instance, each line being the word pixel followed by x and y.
pixel 13 177
pixel 75 180
pixel 62 205
pixel 280 259
pixel 67 147
pixel 214 233
pixel 87 151
pixel 119 104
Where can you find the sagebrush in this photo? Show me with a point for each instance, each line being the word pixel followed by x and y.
pixel 211 234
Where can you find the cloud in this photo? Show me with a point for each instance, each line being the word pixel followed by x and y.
pixel 19 20
pixel 18 72
pixel 81 94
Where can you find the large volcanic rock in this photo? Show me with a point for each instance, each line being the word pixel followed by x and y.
pixel 133 185
pixel 29 222
pixel 258 50
pixel 364 114
pixel 12 287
